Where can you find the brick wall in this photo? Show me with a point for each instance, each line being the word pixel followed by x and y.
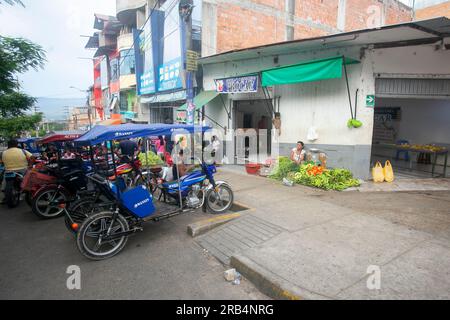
pixel 439 10
pixel 249 23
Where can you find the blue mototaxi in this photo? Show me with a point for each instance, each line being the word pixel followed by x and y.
pixel 30 145
pixel 103 235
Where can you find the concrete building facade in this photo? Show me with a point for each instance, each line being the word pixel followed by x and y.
pixel 433 9
pixel 399 53
pixel 237 24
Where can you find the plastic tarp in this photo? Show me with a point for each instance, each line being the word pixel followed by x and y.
pixel 201 99
pixel 99 134
pixel 61 136
pixel 317 70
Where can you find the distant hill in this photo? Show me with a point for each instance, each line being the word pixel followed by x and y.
pixel 53 108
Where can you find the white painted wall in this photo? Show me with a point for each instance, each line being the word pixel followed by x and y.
pixel 423 59
pixel 323 104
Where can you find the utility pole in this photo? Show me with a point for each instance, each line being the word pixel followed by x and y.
pixel 185 9
pixel 36 110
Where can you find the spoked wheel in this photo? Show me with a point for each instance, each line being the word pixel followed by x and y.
pixel 79 211
pixel 219 200
pixel 44 204
pixel 93 240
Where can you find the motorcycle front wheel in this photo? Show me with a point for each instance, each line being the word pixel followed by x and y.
pixel 220 199
pixel 43 204
pixel 93 231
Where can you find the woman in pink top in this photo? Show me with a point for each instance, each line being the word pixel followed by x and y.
pixel 160 146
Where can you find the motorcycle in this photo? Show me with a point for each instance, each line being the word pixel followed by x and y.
pixel 70 184
pixel 130 175
pixel 13 181
pixel 103 235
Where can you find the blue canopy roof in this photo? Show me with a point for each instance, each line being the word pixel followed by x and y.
pixel 99 133
pixel 27 140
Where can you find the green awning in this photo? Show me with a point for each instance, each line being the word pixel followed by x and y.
pixel 201 99
pixel 306 72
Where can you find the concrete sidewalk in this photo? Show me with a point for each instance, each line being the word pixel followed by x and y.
pixel 309 244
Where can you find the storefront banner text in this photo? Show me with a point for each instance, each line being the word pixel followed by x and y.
pixel 246 84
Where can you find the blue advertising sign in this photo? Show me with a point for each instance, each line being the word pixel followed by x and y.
pixel 149 55
pixel 170 76
pixel 246 84
pixel 147 82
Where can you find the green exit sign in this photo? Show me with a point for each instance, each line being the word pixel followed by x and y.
pixel 370 101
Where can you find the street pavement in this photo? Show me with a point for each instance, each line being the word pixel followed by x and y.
pixel 162 262
pixel 292 243
pixel 302 243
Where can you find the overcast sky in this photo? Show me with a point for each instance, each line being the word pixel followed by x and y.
pixel 56 25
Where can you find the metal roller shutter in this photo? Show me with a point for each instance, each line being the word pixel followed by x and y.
pixel 396 87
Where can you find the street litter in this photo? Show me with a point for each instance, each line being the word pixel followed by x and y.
pixel 231 275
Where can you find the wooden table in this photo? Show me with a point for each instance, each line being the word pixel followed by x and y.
pixel 435 155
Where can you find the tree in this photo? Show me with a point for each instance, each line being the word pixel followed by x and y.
pixel 17 56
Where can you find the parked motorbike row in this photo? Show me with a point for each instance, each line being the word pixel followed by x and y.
pixel 104 202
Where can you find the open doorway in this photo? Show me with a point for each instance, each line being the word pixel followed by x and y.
pixel 414 134
pixel 253 114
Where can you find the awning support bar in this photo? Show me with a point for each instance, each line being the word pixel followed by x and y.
pixel 225 107
pixel 215 122
pixel 348 88
pixel 269 106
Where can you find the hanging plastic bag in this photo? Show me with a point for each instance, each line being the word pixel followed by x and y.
pixel 378 173
pixel 312 134
pixel 388 172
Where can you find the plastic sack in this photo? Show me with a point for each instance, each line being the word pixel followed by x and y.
pixel 388 172
pixel 378 172
pixel 312 134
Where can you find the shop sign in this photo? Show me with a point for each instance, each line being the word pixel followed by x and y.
pixel 170 75
pixel 191 61
pixel 388 113
pixel 370 101
pixel 181 116
pixel 247 84
pixel 148 83
pixel 128 114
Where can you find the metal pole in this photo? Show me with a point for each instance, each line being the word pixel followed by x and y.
pixel 348 87
pixel 185 10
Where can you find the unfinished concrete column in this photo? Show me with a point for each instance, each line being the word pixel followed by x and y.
pixel 290 17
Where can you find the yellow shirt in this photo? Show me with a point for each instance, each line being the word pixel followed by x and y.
pixel 14 159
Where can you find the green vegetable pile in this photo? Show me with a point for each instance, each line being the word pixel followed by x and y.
pixel 284 166
pixel 335 179
pixel 153 159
